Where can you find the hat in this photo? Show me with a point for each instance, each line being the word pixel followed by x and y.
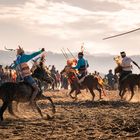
pixel 123 53
pixel 80 54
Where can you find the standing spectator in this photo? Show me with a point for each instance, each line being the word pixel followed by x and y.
pixel 111 80
pixel 53 69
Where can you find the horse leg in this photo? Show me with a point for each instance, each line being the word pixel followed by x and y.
pixel 120 91
pixel 72 90
pixel 17 106
pixel 37 108
pixel 123 92
pixel 10 109
pixel 132 93
pixel 53 106
pixel 100 92
pixel 3 108
pixel 92 93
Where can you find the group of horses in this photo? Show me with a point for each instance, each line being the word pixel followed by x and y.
pixel 22 92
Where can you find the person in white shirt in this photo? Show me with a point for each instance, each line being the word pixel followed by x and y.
pixel 126 66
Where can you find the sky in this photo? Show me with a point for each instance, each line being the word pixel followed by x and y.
pixel 57 24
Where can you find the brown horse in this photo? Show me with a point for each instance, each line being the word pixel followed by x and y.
pixel 22 92
pixel 90 82
pixel 118 69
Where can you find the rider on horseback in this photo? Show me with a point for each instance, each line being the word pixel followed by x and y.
pixel 126 66
pixel 81 66
pixel 24 70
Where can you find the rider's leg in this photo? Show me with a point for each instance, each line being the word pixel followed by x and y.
pixel 32 82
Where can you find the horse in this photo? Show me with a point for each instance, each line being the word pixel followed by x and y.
pixel 22 92
pixel 89 83
pixel 48 78
pixel 129 82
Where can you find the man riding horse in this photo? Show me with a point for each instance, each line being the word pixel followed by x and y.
pixel 81 66
pixel 126 66
pixel 24 70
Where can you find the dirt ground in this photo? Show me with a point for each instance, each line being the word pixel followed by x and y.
pixel 76 120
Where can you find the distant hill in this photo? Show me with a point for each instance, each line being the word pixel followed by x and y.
pixel 99 62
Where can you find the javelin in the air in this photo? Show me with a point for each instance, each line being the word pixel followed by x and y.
pixel 121 34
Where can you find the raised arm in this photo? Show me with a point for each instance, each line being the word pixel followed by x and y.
pixel 135 64
pixel 28 57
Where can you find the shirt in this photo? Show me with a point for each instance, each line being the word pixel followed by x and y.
pixel 126 64
pixel 81 62
pixel 25 58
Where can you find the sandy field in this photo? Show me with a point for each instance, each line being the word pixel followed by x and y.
pixel 76 120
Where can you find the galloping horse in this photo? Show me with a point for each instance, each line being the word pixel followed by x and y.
pixel 22 92
pixel 127 83
pixel 90 82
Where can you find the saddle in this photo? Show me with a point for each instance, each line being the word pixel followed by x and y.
pixel 82 79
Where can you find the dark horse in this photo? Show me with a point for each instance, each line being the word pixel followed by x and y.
pixel 22 92
pixel 89 82
pixel 129 82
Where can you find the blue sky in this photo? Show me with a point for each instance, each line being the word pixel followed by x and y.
pixel 56 24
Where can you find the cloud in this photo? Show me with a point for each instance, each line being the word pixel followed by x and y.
pixel 73 21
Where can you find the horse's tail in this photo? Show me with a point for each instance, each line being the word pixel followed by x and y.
pixel 101 85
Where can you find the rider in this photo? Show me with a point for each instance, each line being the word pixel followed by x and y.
pixel 126 65
pixel 24 70
pixel 82 66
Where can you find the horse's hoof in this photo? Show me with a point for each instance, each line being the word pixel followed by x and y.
pixel 72 97
pixel 100 99
pixel 49 117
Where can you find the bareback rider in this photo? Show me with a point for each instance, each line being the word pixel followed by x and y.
pixel 126 66
pixel 24 70
pixel 81 66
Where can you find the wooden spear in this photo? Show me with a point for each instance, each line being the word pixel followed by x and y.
pixel 121 34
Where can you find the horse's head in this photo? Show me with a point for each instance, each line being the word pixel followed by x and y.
pixel 118 69
pixel 40 73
